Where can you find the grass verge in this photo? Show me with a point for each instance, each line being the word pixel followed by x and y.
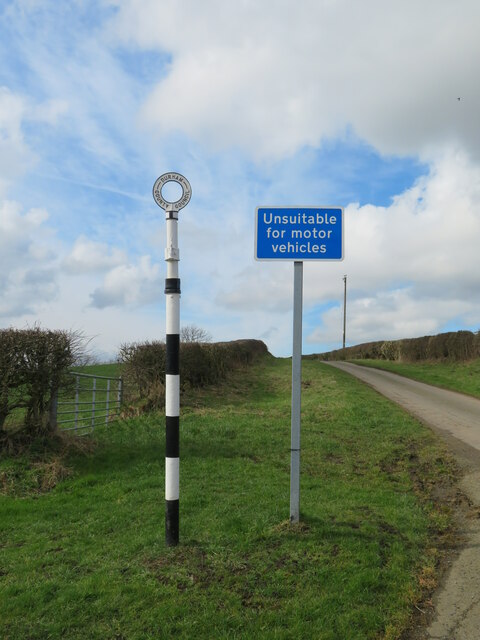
pixel 87 559
pixel 457 376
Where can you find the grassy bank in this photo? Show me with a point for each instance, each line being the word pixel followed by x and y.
pixel 110 370
pixel 87 559
pixel 458 376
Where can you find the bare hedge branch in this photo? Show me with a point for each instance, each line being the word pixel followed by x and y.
pixel 191 333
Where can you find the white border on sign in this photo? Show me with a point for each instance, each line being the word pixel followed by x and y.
pixel 276 206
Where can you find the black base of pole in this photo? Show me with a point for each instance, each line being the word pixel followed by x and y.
pixel 171 522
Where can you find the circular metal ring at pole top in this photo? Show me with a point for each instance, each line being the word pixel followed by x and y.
pixel 182 201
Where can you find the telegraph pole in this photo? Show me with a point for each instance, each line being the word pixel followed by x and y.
pixel 172 355
pixel 344 309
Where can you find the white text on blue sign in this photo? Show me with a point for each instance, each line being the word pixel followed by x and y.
pixel 299 233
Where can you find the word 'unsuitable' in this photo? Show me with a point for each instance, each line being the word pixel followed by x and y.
pixel 299 218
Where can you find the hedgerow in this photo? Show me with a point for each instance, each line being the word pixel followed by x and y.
pixel 454 346
pixel 34 364
pixel 201 364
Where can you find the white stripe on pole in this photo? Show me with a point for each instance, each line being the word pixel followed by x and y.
pixel 172 241
pixel 172 395
pixel 173 314
pixel 172 478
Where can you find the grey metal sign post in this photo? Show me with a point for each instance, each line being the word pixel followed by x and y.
pixel 296 392
pixel 298 234
pixel 172 355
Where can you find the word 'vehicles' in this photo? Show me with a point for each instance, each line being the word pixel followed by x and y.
pixel 299 247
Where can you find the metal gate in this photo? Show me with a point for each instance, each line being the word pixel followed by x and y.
pixel 97 400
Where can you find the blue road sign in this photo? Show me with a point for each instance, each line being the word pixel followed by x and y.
pixel 299 233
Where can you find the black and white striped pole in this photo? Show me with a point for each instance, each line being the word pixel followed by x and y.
pixel 172 356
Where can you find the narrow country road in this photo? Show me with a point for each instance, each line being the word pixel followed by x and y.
pixel 449 411
pixel 457 418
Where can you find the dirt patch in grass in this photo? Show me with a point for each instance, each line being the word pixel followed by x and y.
pixel 451 495
pixel 38 467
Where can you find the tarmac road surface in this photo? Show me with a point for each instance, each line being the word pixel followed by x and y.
pixel 452 412
pixel 457 418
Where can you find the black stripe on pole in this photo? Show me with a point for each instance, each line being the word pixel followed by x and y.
pixel 172 443
pixel 172 285
pixel 172 356
pixel 172 522
pixel 172 426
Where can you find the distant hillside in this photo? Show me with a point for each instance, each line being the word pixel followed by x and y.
pixel 454 346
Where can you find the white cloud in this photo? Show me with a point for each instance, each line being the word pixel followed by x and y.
pixel 19 232
pixel 15 156
pixel 261 286
pixel 388 315
pixel 76 90
pixel 49 112
pixel 428 236
pixel 89 256
pixel 12 109
pixel 28 276
pixel 131 285
pixel 412 266
pixel 273 80
pixel 269 81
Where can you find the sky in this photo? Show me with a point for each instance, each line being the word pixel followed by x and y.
pixel 371 106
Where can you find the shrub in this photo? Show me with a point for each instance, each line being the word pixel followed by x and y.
pixel 476 345
pixel 34 364
pixel 437 347
pixel 461 345
pixel 390 350
pixel 413 349
pixel 144 370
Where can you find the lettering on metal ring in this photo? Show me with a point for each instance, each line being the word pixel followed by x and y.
pixel 166 204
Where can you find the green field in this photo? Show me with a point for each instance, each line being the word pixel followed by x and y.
pixel 457 376
pixel 110 370
pixel 87 559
